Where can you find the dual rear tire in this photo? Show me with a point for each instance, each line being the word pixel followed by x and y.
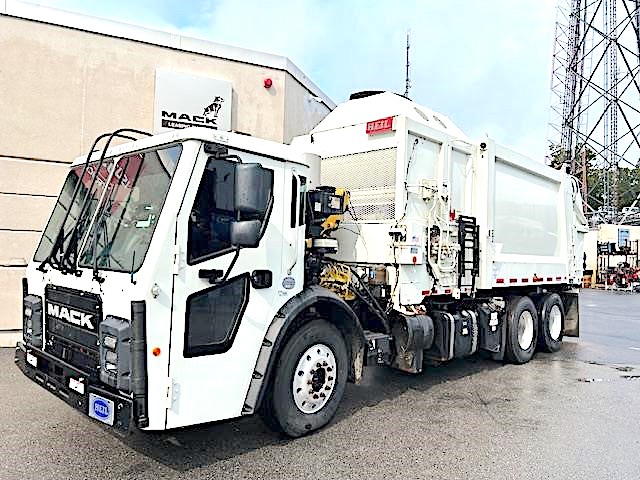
pixel 531 325
pixel 551 313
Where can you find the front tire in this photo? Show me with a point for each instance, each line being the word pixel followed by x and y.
pixel 522 330
pixel 309 380
pixel 551 323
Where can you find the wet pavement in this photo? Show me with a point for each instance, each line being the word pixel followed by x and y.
pixel 571 415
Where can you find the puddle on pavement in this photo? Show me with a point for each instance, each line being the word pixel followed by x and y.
pixel 624 369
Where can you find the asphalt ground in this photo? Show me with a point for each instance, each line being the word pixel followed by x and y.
pixel 570 415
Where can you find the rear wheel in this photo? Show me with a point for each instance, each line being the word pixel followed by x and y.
pixel 309 381
pixel 522 330
pixel 551 323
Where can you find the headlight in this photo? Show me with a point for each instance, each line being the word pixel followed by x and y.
pixel 115 352
pixel 111 357
pixel 110 342
pixel 32 320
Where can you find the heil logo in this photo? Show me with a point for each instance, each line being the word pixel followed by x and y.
pixel 101 408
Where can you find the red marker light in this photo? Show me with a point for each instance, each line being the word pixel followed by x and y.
pixel 268 83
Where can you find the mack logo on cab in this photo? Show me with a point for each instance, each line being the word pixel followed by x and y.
pixel 70 315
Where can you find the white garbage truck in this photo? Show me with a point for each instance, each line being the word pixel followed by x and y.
pixel 200 275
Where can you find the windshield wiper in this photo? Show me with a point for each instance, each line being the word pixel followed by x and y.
pixel 58 247
pixel 101 221
pixel 101 224
pixel 67 264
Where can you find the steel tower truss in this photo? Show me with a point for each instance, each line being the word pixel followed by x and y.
pixel 595 105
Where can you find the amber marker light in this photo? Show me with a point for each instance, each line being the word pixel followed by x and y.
pixel 156 352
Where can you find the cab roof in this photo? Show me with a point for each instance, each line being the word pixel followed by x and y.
pixel 233 140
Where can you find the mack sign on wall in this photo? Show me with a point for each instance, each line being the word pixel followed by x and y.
pixel 183 100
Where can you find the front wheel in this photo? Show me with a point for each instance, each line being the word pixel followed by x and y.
pixel 309 381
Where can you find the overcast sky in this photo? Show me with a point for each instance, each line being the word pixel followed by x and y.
pixel 484 63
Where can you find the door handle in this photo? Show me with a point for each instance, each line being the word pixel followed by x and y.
pixel 211 275
pixel 261 278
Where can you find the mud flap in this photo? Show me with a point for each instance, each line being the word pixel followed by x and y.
pixel 571 313
pixel 499 355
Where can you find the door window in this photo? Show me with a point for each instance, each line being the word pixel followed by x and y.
pixel 213 316
pixel 212 212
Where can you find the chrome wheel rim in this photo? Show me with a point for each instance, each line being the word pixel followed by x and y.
pixel 525 330
pixel 314 378
pixel 555 322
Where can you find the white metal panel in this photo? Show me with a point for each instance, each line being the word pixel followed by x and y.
pixel 526 212
pixel 423 158
pixel 458 186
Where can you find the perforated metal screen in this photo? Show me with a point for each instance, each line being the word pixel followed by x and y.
pixel 371 179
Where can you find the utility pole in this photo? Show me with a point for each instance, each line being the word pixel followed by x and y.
pixel 407 81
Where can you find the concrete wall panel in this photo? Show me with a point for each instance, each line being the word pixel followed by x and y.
pixel 17 247
pixel 20 212
pixel 302 109
pixel 31 177
pixel 11 298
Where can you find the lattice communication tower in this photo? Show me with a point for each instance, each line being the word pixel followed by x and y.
pixel 595 105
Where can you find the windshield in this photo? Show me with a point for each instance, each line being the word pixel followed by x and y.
pixel 80 179
pixel 126 219
pixel 120 236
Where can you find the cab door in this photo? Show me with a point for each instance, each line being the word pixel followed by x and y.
pixel 223 298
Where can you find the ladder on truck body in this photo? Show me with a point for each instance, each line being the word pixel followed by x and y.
pixel 469 257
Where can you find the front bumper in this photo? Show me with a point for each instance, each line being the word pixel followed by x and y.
pixel 55 375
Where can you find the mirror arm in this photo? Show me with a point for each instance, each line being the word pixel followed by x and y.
pixel 265 219
pixel 231 265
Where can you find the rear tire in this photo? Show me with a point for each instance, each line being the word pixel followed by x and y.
pixel 288 406
pixel 522 330
pixel 551 322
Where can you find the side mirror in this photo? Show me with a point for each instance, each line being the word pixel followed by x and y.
pixel 245 233
pixel 253 188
